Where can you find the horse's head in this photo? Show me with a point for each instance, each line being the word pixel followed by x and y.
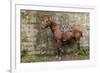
pixel 46 22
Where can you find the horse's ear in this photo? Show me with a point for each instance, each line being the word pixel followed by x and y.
pixel 50 18
pixel 47 17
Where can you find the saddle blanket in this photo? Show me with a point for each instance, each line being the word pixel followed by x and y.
pixel 64 28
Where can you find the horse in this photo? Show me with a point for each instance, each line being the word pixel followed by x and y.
pixel 74 33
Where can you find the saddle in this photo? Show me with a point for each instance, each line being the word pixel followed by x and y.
pixel 64 29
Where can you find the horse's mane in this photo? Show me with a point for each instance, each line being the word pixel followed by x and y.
pixel 56 22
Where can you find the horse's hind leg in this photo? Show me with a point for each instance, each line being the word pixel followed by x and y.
pixel 78 47
pixel 78 43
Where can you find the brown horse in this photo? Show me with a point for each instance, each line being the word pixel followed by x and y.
pixel 74 33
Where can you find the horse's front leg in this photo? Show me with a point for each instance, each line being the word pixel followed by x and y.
pixel 59 53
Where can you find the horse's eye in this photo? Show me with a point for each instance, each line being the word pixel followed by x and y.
pixel 46 21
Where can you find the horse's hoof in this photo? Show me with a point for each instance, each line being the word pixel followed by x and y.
pixel 56 57
pixel 59 58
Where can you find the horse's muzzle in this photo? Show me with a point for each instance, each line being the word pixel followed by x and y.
pixel 42 27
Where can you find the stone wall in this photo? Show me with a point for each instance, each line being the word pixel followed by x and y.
pixel 36 40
